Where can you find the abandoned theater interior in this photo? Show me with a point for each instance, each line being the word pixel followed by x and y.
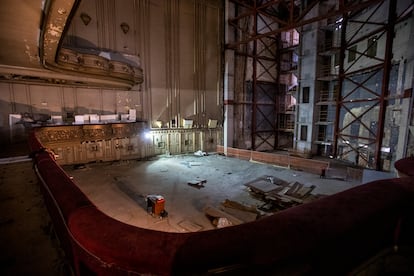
pixel 202 137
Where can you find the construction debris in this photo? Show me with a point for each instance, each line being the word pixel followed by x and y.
pixel 200 153
pixel 231 213
pixel 197 183
pixel 215 215
pixel 278 194
pixel 223 222
pixel 262 186
pixel 190 226
pixel 244 216
pixel 236 205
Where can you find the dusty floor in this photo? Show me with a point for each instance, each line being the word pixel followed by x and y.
pixel 120 188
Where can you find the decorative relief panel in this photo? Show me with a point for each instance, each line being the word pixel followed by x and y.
pixel 127 130
pixel 97 132
pixel 69 58
pixel 60 134
pixel 87 133
pixel 95 64
pixel 120 130
pixel 122 70
pixel 74 144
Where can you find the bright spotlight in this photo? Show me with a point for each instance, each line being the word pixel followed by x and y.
pixel 147 135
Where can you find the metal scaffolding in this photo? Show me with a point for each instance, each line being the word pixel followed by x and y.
pixel 258 25
pixel 363 133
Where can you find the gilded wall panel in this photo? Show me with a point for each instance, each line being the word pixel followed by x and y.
pixel 126 130
pixel 77 144
pixel 97 132
pixel 60 134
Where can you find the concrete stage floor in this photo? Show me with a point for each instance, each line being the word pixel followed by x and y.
pixel 120 188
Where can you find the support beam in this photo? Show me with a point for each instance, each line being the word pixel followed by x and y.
pixel 385 81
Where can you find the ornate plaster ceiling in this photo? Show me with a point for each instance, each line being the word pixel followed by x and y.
pixel 31 32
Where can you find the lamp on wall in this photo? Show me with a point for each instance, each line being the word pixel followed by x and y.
pixel 85 18
pixel 158 124
pixel 124 27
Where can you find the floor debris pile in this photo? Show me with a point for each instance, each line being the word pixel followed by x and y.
pixel 275 195
pixel 197 183
pixel 278 194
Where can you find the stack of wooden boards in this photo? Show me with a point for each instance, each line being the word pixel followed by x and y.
pixel 276 194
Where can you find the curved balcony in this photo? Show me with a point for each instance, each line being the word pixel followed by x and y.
pixel 81 66
pixel 329 236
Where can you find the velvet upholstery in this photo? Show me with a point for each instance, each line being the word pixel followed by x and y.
pixel 405 166
pixel 142 250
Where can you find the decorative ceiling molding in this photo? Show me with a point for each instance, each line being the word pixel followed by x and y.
pixel 98 65
pixel 85 18
pixel 124 27
pixel 94 67
pixel 15 74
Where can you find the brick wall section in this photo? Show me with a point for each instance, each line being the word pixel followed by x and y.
pixel 283 160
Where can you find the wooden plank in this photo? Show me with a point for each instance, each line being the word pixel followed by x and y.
pixel 236 205
pixel 216 213
pixel 190 226
pixel 262 186
pixel 245 216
